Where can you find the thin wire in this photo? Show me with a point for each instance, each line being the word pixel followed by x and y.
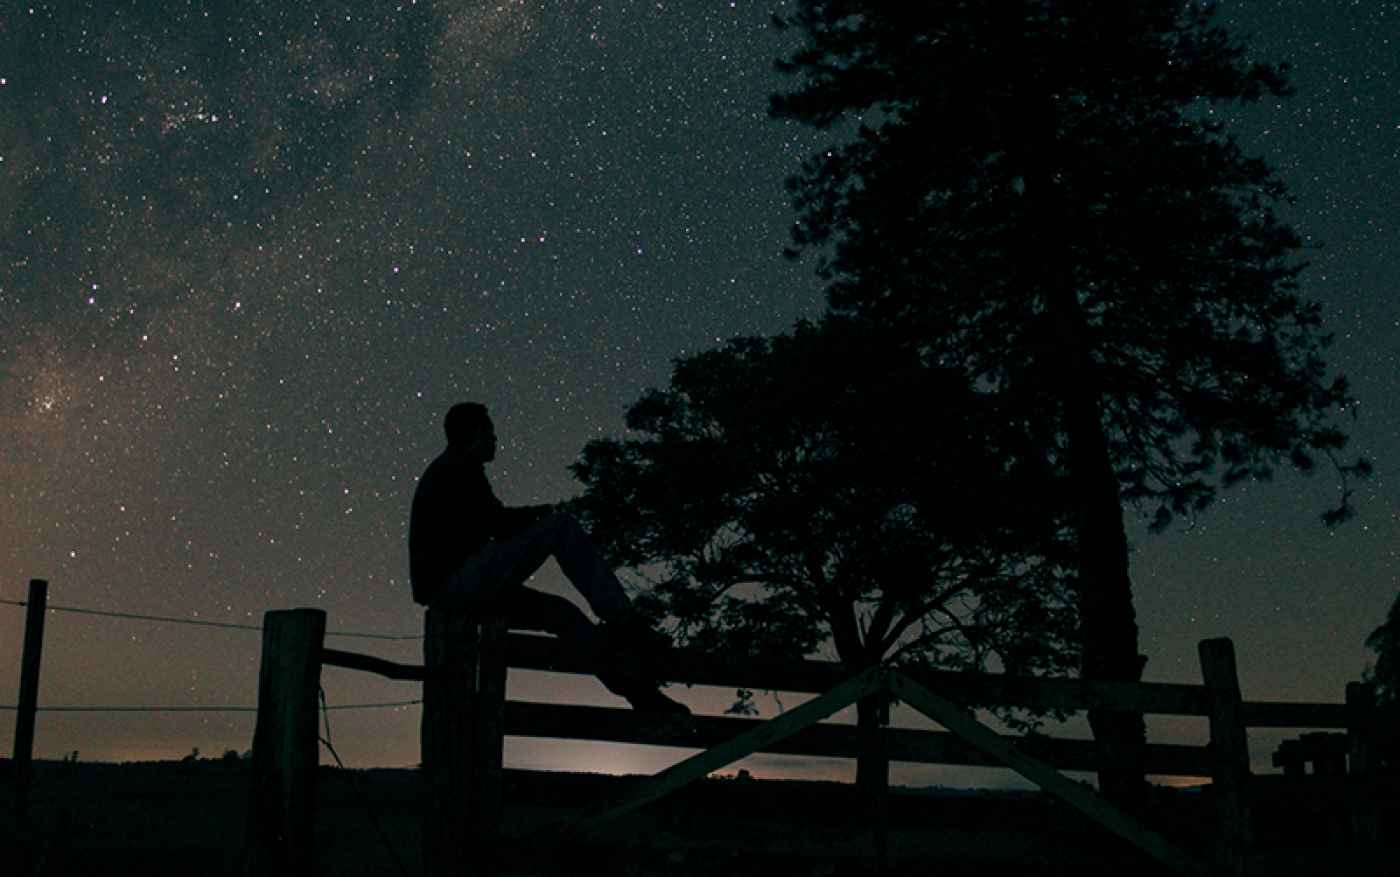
pixel 138 709
pixel 370 809
pixel 365 706
pixel 201 709
pixel 195 709
pixel 225 624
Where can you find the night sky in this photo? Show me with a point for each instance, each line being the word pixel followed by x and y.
pixel 249 256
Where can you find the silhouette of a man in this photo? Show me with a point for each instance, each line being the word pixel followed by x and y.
pixel 468 551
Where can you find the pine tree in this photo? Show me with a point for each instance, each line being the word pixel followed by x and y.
pixel 1036 193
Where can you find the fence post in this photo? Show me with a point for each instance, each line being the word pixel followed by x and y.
pixel 22 762
pixel 450 645
pixel 281 813
pixel 489 749
pixel 1229 746
pixel 1361 755
pixel 29 686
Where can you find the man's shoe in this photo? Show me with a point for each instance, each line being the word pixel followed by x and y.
pixel 651 700
pixel 660 719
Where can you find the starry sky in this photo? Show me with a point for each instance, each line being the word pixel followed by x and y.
pixel 251 252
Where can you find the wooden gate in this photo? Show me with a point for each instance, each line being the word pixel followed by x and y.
pixel 464 673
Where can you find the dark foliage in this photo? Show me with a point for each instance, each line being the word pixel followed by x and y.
pixel 1385 642
pixel 1004 152
pixel 1035 194
pixel 823 487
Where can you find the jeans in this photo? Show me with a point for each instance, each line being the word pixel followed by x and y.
pixel 493 580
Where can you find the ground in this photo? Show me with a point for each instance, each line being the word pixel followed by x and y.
pixel 179 819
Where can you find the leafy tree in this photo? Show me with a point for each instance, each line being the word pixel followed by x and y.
pixel 1035 193
pixel 1384 678
pixel 822 489
pixel 1385 642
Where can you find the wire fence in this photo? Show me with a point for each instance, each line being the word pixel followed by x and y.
pixel 228 625
pixel 200 622
pixel 371 809
pixel 202 709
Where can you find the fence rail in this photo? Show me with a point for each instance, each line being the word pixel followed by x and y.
pixel 830 740
pixel 466 715
pixel 536 652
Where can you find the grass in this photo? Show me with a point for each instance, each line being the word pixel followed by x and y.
pixel 188 818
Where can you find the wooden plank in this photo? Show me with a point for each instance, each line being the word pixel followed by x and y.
pixel 489 733
pixel 534 652
pixel 1079 796
pixel 1230 748
pixel 30 660
pixel 450 646
pixel 998 689
pixel 827 740
pixel 702 764
pixel 1269 714
pixel 1360 707
pixel 281 822
pixel 1159 759
pixel 1361 757
pixel 371 664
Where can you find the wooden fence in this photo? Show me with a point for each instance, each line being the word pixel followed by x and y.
pixel 21 761
pixel 466 717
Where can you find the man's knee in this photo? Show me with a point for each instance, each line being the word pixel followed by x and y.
pixel 537 610
pixel 564 527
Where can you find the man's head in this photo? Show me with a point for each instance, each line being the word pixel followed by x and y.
pixel 469 430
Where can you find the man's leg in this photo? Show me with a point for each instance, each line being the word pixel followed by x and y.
pixel 620 672
pixel 503 566
pixel 582 565
pixel 594 579
pixel 528 609
pixel 496 577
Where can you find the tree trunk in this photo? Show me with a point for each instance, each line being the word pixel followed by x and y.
pixel 1108 622
pixel 872 761
pixel 873 772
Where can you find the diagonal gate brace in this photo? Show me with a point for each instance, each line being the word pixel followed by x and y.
pixel 1082 798
pixel 704 763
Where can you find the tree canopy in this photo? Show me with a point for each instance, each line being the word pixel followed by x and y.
pixel 1035 193
pixel 823 489
pixel 1385 642
pixel 1003 150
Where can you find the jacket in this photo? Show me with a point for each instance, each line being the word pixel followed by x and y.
pixel 454 515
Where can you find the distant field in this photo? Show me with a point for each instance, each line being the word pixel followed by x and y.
pixel 182 819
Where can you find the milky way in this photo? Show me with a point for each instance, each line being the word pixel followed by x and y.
pixel 250 252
